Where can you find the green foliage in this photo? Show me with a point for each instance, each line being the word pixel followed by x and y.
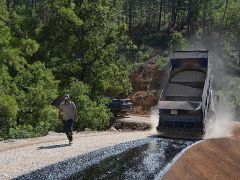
pixel 232 92
pixel 45 44
pixel 157 40
pixel 38 89
pixel 69 14
pixel 11 53
pixel 21 131
pixel 177 41
pixel 7 83
pixel 111 80
pixel 92 113
pixel 8 112
pixel 94 116
pixel 48 120
pixel 5 34
pixel 162 62
pixel 29 46
pixel 3 10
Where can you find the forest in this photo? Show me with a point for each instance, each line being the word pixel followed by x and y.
pixel 88 48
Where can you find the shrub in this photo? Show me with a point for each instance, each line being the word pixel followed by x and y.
pixel 157 40
pixel 232 91
pixel 21 131
pixel 162 62
pixel 177 41
pixel 38 89
pixel 8 112
pixel 7 84
pixel 48 120
pixel 92 114
pixel 112 80
pixel 29 46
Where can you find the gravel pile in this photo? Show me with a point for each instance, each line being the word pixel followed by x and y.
pixel 189 76
pixel 183 91
pixel 24 159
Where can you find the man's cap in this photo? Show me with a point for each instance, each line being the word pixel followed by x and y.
pixel 66 96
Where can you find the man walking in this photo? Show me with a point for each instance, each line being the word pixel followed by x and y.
pixel 68 112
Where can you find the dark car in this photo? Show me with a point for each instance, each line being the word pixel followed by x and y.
pixel 120 106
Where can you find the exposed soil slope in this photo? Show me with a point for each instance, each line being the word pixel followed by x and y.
pixel 146 82
pixel 211 159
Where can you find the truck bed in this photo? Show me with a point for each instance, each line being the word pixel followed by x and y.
pixel 184 101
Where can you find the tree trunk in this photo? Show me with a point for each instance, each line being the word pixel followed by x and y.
pixel 173 14
pixel 189 13
pixel 141 12
pixel 160 15
pixel 148 16
pixel 239 58
pixel 8 2
pixel 130 14
pixel 33 4
pixel 174 20
pixel 225 11
pixel 204 17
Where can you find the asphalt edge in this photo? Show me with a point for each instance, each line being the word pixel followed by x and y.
pixel 172 162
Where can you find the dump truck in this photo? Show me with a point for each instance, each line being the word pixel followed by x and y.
pixel 186 102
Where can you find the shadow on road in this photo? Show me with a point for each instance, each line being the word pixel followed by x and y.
pixel 53 146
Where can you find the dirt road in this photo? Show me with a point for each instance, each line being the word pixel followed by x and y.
pixel 212 159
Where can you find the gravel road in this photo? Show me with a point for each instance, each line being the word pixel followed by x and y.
pixel 22 156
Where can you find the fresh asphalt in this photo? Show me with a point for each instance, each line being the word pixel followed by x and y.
pixel 148 158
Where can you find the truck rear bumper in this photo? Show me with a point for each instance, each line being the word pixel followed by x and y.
pixel 185 122
pixel 181 133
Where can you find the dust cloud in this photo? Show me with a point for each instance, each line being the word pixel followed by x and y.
pixel 154 117
pixel 221 125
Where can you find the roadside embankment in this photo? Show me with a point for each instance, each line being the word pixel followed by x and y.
pixel 133 123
